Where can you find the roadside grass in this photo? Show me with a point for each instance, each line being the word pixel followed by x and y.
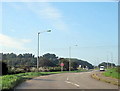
pixel 8 82
pixel 112 73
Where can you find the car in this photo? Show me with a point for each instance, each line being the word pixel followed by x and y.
pixel 102 68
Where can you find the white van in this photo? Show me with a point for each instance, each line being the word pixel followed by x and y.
pixel 102 68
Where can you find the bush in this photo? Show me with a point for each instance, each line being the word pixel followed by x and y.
pixel 16 70
pixel 9 81
pixel 32 69
pixel 43 69
pixel 53 69
pixel 4 68
pixel 118 69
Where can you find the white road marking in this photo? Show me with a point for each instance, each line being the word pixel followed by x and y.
pixel 67 82
pixel 67 78
pixel 72 83
pixel 77 85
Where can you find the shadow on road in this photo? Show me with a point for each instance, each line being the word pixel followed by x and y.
pixel 44 79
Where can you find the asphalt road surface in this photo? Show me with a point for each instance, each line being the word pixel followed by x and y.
pixel 81 80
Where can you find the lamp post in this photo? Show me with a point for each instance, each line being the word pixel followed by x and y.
pixel 38 46
pixel 107 62
pixel 111 60
pixel 70 58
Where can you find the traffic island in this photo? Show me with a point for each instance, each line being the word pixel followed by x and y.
pixel 99 76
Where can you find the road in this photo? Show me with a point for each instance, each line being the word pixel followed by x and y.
pixel 81 80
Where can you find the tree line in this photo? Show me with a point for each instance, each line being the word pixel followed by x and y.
pixel 48 61
pixel 107 64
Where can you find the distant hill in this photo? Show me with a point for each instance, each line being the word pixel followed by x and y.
pixel 105 64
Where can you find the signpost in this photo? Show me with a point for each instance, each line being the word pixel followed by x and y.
pixel 62 64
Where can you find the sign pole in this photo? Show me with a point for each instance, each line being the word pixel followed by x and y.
pixel 61 68
pixel 62 64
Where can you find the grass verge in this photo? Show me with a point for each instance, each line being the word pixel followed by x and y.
pixel 10 81
pixel 105 80
pixel 112 73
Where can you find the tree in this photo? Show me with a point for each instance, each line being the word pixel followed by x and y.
pixel 82 63
pixel 105 64
pixel 44 62
pixel 48 60
pixel 52 57
pixel 20 56
pixel 66 63
pixel 74 65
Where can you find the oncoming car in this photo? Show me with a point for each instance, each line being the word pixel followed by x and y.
pixel 102 68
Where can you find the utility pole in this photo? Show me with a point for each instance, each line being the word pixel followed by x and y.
pixel 38 47
pixel 38 52
pixel 107 61
pixel 69 58
pixel 111 60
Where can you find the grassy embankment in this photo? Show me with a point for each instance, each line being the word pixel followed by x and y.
pixel 113 72
pixel 10 81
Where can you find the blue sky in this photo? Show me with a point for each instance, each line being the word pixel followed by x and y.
pixel 93 26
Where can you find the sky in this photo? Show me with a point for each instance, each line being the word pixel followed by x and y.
pixel 92 26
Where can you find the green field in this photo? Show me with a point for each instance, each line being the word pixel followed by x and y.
pixel 113 72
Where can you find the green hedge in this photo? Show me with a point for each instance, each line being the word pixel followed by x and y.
pixel 9 81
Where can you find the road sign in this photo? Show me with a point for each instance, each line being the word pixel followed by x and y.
pixel 62 64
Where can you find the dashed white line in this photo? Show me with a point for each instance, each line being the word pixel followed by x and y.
pixel 77 85
pixel 67 82
pixel 72 83
pixel 67 78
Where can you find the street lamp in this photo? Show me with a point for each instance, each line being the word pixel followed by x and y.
pixel 38 47
pixel 70 58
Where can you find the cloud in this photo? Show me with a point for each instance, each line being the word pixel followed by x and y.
pixel 26 40
pixel 9 42
pixel 16 6
pixel 50 14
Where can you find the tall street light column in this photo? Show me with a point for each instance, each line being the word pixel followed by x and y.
pixel 38 52
pixel 70 58
pixel 38 47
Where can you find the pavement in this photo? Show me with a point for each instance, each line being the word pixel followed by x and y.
pixel 82 80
